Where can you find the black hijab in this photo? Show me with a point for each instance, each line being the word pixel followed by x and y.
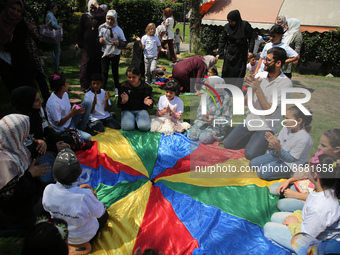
pixel 22 100
pixel 237 31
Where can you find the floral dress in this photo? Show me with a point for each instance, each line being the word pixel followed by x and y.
pixel 219 112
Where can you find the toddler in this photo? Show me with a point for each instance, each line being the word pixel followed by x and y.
pixel 252 63
pixel 178 39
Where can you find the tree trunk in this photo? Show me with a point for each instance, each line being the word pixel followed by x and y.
pixel 196 26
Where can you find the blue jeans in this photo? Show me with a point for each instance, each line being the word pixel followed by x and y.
pixel 99 125
pixel 277 233
pixel 177 46
pixel 270 167
pixel 80 121
pixel 253 142
pixel 287 204
pixel 130 118
pixel 56 56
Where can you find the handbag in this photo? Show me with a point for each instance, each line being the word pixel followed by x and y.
pixel 50 35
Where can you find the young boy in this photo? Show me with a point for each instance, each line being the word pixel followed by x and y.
pixel 275 36
pixel 252 63
pixel 79 207
pixel 178 39
pixel 100 99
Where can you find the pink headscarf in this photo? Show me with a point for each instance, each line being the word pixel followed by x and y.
pixel 7 25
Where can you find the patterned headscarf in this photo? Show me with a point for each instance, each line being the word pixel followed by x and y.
pixel 14 129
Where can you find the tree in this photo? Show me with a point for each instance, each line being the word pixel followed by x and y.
pixel 195 29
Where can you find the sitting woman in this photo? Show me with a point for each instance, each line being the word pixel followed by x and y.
pixel 42 142
pixel 20 189
pixel 212 126
pixel 290 149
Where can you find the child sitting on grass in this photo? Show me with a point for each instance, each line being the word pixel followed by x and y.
pixel 79 207
pixel 170 110
pixel 101 103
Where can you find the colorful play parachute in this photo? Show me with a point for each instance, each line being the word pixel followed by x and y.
pixel 155 201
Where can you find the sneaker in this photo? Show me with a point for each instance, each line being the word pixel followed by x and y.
pixel 172 64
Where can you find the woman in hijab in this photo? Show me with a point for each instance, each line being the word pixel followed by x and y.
pixel 87 41
pixel 112 37
pixel 20 189
pixel 281 21
pixel 16 62
pixel 26 100
pixel 194 67
pixel 293 38
pixel 237 40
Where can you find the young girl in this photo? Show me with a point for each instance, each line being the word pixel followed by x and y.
pixel 320 217
pixel 169 111
pixel 135 99
pixel 59 112
pixel 111 36
pixel 294 200
pixel 204 129
pixel 290 149
pixel 151 46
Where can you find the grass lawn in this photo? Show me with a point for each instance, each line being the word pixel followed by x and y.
pixel 324 103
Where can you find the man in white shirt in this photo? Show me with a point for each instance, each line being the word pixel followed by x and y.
pixel 250 135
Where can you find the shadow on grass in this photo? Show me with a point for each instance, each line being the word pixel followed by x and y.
pixel 300 85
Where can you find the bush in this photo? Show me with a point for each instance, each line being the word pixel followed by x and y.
pixel 323 48
pixel 210 37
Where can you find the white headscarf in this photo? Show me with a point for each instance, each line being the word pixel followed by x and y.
pixel 294 26
pixel 209 61
pixel 112 13
pixel 91 2
pixel 14 129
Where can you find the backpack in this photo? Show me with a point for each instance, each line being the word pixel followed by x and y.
pixel 73 138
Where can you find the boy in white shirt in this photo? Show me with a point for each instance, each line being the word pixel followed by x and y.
pixel 101 103
pixel 79 207
pixel 275 35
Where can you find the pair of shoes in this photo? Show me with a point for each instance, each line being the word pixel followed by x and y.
pixel 172 64
pixel 79 249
